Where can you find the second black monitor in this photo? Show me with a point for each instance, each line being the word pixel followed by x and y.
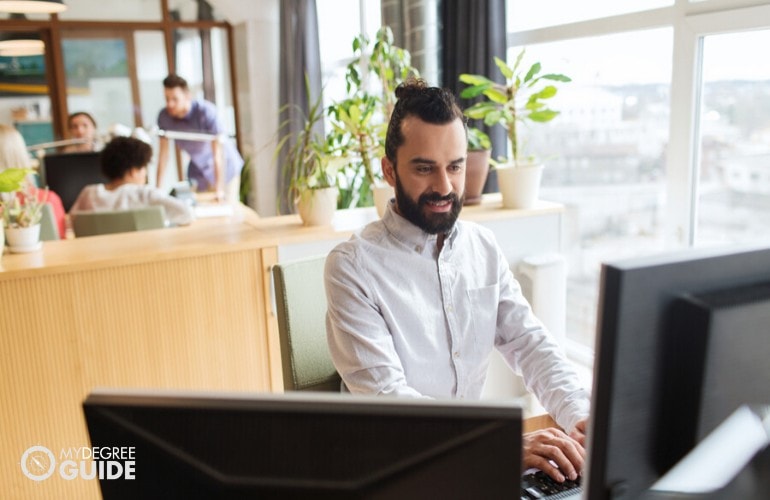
pixel 66 174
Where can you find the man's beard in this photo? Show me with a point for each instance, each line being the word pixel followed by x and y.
pixel 431 223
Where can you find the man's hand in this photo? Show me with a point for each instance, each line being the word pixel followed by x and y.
pixel 579 432
pixel 544 448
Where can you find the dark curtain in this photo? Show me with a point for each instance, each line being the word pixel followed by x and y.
pixel 300 56
pixel 472 33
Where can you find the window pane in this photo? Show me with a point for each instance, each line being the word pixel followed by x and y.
pixel 150 74
pixel 526 14
pixel 97 77
pixel 192 45
pixel 193 10
pixel 339 22
pixel 604 154
pixel 110 10
pixel 734 171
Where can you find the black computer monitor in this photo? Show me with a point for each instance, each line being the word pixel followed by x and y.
pixel 307 445
pixel 682 340
pixel 67 174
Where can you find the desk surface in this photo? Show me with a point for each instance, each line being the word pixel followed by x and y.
pixel 244 229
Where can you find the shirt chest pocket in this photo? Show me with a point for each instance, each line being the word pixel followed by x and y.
pixel 483 304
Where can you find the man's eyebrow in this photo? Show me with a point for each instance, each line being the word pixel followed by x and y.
pixel 420 160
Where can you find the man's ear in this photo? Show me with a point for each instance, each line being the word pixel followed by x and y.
pixel 388 171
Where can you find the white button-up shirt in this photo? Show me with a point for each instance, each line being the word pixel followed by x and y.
pixel 407 319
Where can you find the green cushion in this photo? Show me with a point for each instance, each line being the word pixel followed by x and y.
pixel 301 307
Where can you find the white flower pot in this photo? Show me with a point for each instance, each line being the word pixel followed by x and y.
pixel 23 239
pixel 519 185
pixel 317 206
pixel 383 193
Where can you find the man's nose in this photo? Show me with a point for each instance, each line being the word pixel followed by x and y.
pixel 442 183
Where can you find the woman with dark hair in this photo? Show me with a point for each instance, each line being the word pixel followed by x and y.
pixel 124 162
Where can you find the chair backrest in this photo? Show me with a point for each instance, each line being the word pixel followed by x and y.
pixel 301 306
pixel 118 221
pixel 48 229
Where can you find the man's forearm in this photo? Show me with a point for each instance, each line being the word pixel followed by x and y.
pixel 219 174
pixel 162 160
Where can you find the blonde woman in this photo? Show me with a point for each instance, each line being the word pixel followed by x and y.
pixel 13 153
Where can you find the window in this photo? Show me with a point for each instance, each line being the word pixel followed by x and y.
pixel 339 22
pixel 734 123
pixel 605 153
pixel 623 153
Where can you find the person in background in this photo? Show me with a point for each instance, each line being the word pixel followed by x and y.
pixel 13 154
pixel 214 166
pixel 124 162
pixel 82 125
pixel 418 300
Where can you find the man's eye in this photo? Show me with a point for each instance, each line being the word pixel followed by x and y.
pixel 424 169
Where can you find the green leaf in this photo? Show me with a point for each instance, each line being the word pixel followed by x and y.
pixel 535 69
pixel 474 91
pixel 480 110
pixel 496 95
pixel 556 77
pixel 12 179
pixel 544 115
pixel 475 79
pixel 545 93
pixel 492 117
pixel 518 60
pixel 506 70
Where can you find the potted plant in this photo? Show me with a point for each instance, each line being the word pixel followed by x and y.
pixel 521 99
pixel 476 165
pixel 307 167
pixel 21 211
pixel 359 122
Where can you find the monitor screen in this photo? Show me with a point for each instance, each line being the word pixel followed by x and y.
pixel 681 342
pixel 306 445
pixel 66 174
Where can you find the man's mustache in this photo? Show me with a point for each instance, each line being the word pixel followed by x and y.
pixel 435 197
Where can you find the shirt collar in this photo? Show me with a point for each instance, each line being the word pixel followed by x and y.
pixel 410 234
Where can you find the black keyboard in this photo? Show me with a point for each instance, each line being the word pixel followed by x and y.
pixel 539 485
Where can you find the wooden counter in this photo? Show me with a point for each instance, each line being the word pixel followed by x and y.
pixel 180 308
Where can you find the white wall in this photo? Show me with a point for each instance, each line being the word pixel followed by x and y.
pixel 256 69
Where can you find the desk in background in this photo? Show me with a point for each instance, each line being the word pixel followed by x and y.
pixel 179 308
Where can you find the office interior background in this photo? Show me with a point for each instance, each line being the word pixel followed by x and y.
pixel 663 139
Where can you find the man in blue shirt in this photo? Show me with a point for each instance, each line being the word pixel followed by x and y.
pixel 214 165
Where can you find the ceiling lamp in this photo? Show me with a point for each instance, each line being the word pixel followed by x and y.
pixel 21 45
pixel 33 6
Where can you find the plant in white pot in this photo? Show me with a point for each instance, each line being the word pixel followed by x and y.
pixel 22 210
pixel 307 167
pixel 521 99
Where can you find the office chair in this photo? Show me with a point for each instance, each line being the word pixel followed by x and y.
pixel 48 229
pixel 301 306
pixel 118 221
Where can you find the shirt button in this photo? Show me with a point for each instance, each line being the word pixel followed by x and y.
pixel 418 249
pixel 449 309
pixel 456 354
